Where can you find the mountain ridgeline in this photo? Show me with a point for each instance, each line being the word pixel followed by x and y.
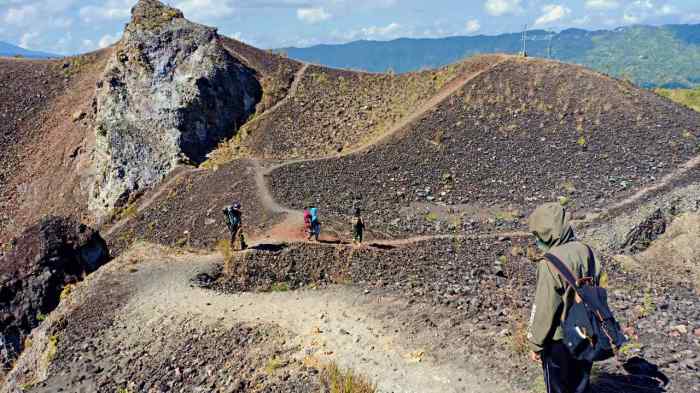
pixel 9 50
pixel 649 56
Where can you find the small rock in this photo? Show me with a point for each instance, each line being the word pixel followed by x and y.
pixel 682 329
pixel 78 116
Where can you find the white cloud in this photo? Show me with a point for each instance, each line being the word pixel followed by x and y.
pixel 94 13
pixel 108 40
pixel 638 11
pixel 21 16
pixel 27 39
pixel 584 20
pixel 552 13
pixel 473 26
pixel 691 18
pixel 203 10
pixel 312 15
pixel 667 9
pixel 390 31
pixel 602 5
pixel 502 7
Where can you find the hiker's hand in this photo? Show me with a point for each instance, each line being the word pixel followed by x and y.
pixel 535 357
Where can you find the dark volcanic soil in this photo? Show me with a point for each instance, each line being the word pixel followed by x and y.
pixel 334 110
pixel 525 132
pixel 189 213
pixel 275 72
pixel 478 293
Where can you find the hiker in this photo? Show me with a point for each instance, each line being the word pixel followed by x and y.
pixel 307 222
pixel 358 226
pixel 563 373
pixel 233 218
pixel 315 223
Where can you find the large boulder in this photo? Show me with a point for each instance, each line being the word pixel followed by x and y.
pixel 170 93
pixel 43 260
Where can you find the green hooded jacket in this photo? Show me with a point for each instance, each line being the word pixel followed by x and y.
pixel 550 224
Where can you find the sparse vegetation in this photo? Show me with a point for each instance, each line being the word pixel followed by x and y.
pixel 51 349
pixel 66 291
pixel 345 381
pixel 687 97
pixel 273 364
pixel 431 217
pixel 279 287
pixel 648 306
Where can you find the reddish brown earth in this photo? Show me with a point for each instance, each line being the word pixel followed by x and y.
pixel 49 164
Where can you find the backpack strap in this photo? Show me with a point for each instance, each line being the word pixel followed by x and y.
pixel 563 271
pixel 591 265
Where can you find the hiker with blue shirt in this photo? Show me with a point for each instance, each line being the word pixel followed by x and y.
pixel 315 223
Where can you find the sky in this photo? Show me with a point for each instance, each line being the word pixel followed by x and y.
pixel 76 26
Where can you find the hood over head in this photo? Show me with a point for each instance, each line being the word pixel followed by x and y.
pixel 550 224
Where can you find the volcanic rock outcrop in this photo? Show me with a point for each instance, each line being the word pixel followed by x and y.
pixel 44 259
pixel 170 93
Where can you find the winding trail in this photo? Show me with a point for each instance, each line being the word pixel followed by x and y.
pixel 341 324
pixel 180 173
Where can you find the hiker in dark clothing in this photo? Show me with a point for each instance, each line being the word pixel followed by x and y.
pixel 358 226
pixel 234 222
pixel 562 372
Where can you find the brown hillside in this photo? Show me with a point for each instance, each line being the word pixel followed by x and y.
pixel 335 110
pixel 49 108
pixel 45 151
pixel 189 212
pixel 275 72
pixel 524 132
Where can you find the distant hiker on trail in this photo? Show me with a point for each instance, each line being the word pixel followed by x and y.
pixel 358 226
pixel 315 223
pixel 567 361
pixel 307 222
pixel 234 222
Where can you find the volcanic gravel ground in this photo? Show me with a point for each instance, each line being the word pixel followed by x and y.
pixel 189 359
pixel 525 132
pixel 275 72
pixel 190 212
pixel 26 88
pixel 479 294
pixel 335 109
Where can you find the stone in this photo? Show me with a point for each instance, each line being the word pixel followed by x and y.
pixel 682 329
pixel 46 257
pixel 169 90
pixel 78 116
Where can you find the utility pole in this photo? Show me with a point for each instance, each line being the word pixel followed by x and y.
pixel 549 46
pixel 524 51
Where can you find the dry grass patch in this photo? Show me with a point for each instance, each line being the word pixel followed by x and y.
pixel 336 380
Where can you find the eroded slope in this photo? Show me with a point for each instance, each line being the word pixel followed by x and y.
pixel 336 110
pixel 524 132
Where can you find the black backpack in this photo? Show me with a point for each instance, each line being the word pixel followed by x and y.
pixel 232 217
pixel 590 330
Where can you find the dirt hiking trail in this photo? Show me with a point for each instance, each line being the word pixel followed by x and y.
pixel 329 325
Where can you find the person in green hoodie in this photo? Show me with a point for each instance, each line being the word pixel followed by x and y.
pixel 562 373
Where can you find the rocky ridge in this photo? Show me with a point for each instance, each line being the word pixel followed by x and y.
pixel 169 94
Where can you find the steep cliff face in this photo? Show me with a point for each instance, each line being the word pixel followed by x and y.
pixel 169 93
pixel 49 255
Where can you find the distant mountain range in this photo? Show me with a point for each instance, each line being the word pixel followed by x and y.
pixel 666 56
pixel 9 50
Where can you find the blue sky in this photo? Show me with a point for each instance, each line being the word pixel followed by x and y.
pixel 72 26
